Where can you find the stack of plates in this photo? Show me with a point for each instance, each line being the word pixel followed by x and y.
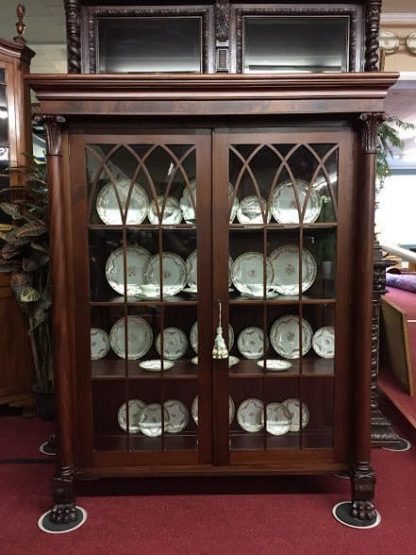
pixel 147 419
pixel 281 418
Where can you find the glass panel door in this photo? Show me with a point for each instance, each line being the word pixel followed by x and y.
pixel 147 288
pixel 282 192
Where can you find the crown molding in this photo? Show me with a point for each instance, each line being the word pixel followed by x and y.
pixel 399 18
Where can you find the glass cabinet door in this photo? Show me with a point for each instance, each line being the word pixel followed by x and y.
pixel 281 232
pixel 147 277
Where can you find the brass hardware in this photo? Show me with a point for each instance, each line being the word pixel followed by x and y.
pixel 219 350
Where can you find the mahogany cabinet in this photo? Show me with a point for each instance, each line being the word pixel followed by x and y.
pixel 265 211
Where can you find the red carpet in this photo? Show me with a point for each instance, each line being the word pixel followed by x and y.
pixel 212 517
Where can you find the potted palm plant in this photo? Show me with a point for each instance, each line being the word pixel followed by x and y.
pixel 24 252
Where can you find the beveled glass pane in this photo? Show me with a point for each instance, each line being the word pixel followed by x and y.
pixel 149 44
pixel 295 44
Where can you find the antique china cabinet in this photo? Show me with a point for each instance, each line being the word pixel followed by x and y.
pixel 212 247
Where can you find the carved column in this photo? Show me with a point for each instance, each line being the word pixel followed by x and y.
pixel 372 29
pixel 362 475
pixel 73 35
pixel 222 35
pixel 63 496
pixel 382 433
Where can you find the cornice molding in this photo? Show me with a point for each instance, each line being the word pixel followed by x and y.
pixel 399 18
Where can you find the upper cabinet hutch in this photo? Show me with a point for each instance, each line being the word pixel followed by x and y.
pixel 211 184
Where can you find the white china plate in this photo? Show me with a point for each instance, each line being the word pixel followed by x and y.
pixel 250 415
pixel 137 259
pixel 151 291
pixel 108 207
pixel 155 365
pixel 139 337
pixel 171 214
pixel 174 272
pixel 250 343
pixel 136 407
pixel 150 420
pixel 176 415
pixel 323 342
pixel 191 271
pixel 250 211
pixel 278 419
pixel 232 360
pixel 175 343
pixel 231 410
pixel 193 337
pixel 275 365
pixel 235 205
pixel 247 273
pixel 284 336
pixel 293 406
pixel 188 203
pixel 100 343
pixel 285 263
pixel 283 203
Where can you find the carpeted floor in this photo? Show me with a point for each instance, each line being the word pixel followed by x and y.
pixel 253 516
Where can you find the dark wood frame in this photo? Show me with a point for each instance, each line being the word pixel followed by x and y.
pixel 89 29
pixel 354 15
pixel 70 103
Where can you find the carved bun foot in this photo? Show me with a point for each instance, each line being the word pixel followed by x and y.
pixel 63 514
pixel 62 519
pixel 366 515
pixel 363 510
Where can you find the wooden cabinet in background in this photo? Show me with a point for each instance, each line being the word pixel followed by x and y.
pixel 16 366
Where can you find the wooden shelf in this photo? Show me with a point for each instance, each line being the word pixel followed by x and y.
pixel 283 300
pixel 138 442
pixel 311 367
pixel 142 227
pixel 282 227
pixel 185 299
pixel 320 438
pixel 115 369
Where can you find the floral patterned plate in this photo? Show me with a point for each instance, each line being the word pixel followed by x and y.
pixel 174 272
pixel 247 273
pixel 100 343
pixel 250 343
pixel 253 211
pixel 278 419
pixel 250 415
pixel 136 407
pixel 108 207
pixel 171 211
pixel 139 337
pixel 175 343
pixel 284 207
pixel 323 342
pixel 294 407
pixel 177 416
pixel 137 259
pixel 285 264
pixel 284 336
